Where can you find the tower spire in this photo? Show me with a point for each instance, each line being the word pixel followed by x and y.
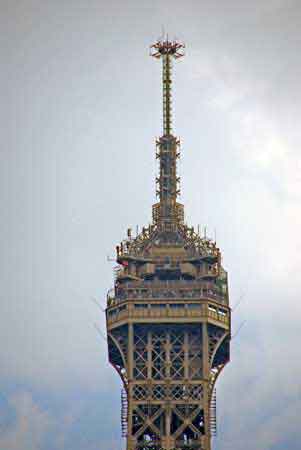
pixel 167 50
pixel 167 214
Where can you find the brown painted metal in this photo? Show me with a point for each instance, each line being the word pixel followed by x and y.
pixel 168 316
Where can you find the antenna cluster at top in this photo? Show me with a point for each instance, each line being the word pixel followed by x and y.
pixel 166 47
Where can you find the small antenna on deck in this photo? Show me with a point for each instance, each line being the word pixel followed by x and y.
pixel 162 33
pixel 239 329
pixel 240 300
pixel 99 332
pixel 93 299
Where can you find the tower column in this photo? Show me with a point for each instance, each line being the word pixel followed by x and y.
pixel 130 351
pixel 206 375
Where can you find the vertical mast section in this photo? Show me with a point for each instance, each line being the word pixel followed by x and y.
pixel 167 50
pixel 167 214
pixel 167 100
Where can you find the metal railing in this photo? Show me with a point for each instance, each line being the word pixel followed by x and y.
pixel 167 291
pixel 153 311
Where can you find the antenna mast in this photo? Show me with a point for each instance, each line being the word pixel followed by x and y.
pixel 167 50
pixel 167 214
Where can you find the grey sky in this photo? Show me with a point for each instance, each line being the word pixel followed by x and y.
pixel 80 109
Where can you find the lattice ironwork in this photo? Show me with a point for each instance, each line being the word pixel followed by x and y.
pixel 177 356
pixel 168 367
pixel 117 358
pixel 140 354
pixel 187 420
pixel 196 391
pixel 159 341
pixel 121 336
pixel 195 353
pixel 221 354
pixel 145 417
pixel 140 392
pixel 215 335
pixel 157 392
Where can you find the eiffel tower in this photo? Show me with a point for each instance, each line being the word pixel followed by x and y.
pixel 168 315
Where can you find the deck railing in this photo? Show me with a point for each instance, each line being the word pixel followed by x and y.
pixel 167 291
pixel 167 311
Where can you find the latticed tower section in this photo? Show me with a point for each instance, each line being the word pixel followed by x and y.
pixel 168 316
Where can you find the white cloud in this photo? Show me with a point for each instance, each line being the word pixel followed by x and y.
pixel 81 424
pixel 31 425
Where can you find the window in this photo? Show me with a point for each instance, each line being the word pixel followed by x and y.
pixel 194 305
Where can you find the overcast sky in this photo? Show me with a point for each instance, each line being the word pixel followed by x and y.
pixel 80 110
